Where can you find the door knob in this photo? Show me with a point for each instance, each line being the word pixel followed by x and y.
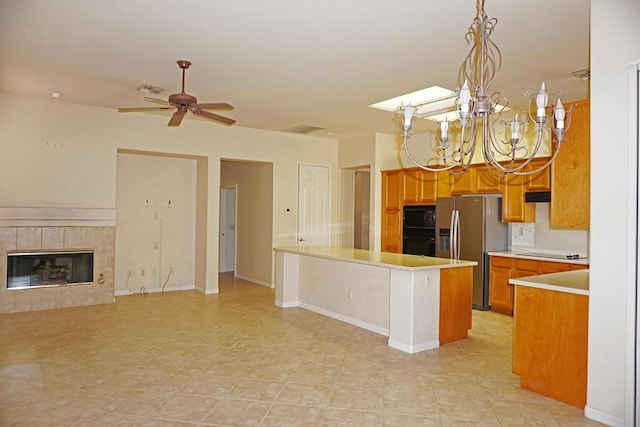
pixel 300 239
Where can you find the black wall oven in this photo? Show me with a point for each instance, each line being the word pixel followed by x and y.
pixel 419 230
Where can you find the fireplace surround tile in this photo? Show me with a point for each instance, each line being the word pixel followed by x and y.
pixel 101 239
pixel 53 237
pixel 75 237
pixel 29 238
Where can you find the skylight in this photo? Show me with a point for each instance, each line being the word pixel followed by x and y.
pixel 434 103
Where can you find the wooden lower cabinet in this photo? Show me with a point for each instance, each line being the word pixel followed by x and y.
pixel 456 295
pixel 550 343
pixel 501 292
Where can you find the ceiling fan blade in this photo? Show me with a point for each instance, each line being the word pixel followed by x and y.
pixel 157 101
pixel 212 116
pixel 134 109
pixel 216 106
pixel 176 118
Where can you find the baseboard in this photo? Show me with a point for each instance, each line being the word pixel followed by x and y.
pixel 126 292
pixel 355 322
pixel 602 417
pixel 256 281
pixel 282 304
pixel 413 348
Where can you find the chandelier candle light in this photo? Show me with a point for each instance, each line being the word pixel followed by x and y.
pixel 477 112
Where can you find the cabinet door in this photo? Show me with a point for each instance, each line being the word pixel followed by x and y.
pixel 419 186
pixel 465 183
pixel 486 181
pixel 391 211
pixel 514 209
pixel 540 181
pixel 392 189
pixel 500 290
pixel 570 174
pixel 429 191
pixel 392 231
pixel 444 184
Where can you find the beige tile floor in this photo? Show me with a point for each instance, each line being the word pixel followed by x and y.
pixel 186 359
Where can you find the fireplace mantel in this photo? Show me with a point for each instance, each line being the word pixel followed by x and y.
pixel 56 216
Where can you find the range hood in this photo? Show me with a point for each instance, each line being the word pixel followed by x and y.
pixel 537 196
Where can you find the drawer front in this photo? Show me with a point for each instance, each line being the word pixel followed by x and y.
pixel 500 261
pixel 527 265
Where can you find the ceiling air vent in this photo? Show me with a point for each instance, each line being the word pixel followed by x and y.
pixel 303 129
pixel 582 74
pixel 143 88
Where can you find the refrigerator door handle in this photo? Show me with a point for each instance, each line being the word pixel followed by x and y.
pixel 452 237
pixel 458 234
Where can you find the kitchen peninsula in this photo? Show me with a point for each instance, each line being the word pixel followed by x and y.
pixel 419 302
pixel 550 334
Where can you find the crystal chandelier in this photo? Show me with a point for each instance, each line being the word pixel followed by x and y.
pixel 479 113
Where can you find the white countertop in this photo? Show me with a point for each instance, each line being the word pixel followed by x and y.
pixel 540 256
pixel 385 259
pixel 574 282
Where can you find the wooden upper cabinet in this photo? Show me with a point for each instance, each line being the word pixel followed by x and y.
pixel 392 211
pixel 570 177
pixel 444 184
pixel 419 187
pixel 540 181
pixel 514 209
pixel 392 189
pixel 465 183
pixel 486 180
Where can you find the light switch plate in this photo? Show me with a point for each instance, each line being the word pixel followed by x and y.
pixel 523 234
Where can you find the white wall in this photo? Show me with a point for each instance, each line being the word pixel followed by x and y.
pixel 155 229
pixel 615 41
pixel 54 153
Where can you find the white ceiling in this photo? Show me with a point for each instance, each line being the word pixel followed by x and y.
pixel 283 63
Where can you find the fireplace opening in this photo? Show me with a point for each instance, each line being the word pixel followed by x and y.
pixel 49 268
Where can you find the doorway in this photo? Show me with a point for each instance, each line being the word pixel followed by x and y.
pixel 361 208
pixel 227 250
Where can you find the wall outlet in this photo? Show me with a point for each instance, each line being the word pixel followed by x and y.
pixel 142 272
pixel 523 234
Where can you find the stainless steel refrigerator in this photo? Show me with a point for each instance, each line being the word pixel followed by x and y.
pixel 467 227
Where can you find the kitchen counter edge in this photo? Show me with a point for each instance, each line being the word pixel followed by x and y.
pixel 573 282
pixel 511 254
pixel 382 259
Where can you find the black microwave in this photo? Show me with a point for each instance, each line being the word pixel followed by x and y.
pixel 419 217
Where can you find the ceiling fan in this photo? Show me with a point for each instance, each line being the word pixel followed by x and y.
pixel 183 102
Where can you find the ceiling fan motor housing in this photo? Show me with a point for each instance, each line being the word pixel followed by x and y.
pixel 182 99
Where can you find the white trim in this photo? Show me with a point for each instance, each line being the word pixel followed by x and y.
pixel 602 417
pixel 414 348
pixel 352 321
pixel 254 281
pixel 632 356
pixel 282 304
pixel 53 216
pixel 126 292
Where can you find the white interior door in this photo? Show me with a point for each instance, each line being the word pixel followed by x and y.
pixel 227 251
pixel 314 205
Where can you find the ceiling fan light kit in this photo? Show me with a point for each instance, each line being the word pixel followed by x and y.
pixel 182 103
pixel 504 151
